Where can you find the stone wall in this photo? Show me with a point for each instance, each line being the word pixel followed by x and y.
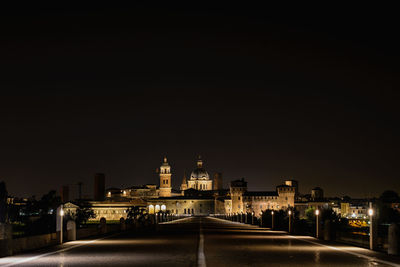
pixel 18 245
pixel 33 242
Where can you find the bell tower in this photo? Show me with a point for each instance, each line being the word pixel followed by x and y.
pixel 184 185
pixel 165 179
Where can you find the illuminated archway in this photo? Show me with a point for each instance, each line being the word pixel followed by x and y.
pixel 163 208
pixel 157 208
pixel 151 209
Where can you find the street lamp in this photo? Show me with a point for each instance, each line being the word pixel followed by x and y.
pixel 317 222
pixel 272 225
pixel 372 230
pixel 370 212
pixel 61 225
pixel 290 221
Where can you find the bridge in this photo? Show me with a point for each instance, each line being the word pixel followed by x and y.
pixel 202 241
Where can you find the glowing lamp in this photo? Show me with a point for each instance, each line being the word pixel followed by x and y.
pixel 61 212
pixel 290 212
pixel 317 212
pixel 370 212
pixel 272 212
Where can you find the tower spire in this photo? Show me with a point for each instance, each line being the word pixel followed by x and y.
pixel 184 185
pixel 199 162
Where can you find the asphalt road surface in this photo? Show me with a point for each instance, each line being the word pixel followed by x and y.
pixel 202 241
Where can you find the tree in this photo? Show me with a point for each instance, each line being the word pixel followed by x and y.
pixel 46 209
pixel 82 214
pixel 389 196
pixel 49 203
pixel 136 214
pixel 3 202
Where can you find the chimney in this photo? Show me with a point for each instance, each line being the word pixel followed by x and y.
pixel 64 193
pixel 217 181
pixel 99 186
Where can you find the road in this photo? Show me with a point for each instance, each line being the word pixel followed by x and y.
pixel 205 241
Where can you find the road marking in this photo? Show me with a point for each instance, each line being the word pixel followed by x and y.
pixel 55 252
pixel 201 258
pixel 372 259
pixel 175 221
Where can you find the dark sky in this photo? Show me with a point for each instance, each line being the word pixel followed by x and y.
pixel 261 92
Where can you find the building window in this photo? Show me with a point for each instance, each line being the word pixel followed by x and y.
pixel 192 211
pixel 166 181
pixel 188 211
pixel 184 211
pixel 238 198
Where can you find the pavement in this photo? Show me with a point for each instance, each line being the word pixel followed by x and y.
pixel 202 241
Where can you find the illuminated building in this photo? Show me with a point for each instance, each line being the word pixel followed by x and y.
pixel 196 196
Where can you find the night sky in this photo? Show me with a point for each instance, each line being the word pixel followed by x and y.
pixel 261 92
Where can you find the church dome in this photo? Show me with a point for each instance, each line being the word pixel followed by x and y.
pixel 199 173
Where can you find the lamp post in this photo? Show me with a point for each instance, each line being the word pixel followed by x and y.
pixel 61 225
pixel 372 228
pixel 317 222
pixel 261 217
pixel 290 221
pixel 252 218
pixel 272 224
